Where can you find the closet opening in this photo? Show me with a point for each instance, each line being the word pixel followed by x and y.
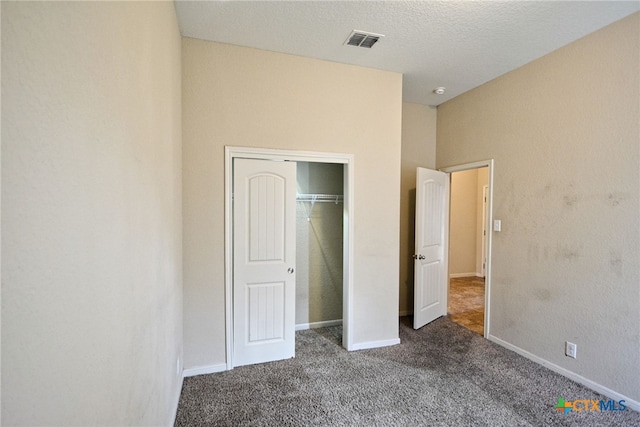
pixel 321 268
pixel 319 244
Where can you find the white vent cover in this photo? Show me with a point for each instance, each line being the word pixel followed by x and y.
pixel 362 39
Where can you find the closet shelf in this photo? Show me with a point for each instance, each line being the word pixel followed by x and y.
pixel 323 198
pixel 335 198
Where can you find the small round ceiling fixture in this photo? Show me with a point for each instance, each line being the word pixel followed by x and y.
pixel 439 90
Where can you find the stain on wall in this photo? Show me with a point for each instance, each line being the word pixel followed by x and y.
pixel 566 264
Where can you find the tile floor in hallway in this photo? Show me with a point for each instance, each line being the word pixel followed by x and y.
pixel 466 302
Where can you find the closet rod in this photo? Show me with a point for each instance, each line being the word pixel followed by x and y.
pixel 313 198
pixel 335 198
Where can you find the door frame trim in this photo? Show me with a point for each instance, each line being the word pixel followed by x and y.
pixel 487 280
pixel 485 235
pixel 232 152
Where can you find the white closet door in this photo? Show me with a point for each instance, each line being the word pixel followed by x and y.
pixel 264 224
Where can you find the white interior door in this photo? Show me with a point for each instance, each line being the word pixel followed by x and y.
pixel 432 248
pixel 264 216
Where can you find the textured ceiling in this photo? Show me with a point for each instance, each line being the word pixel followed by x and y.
pixel 456 44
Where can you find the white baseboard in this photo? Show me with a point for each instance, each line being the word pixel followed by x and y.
pixel 456 275
pixel 611 394
pixel 315 325
pixel 375 344
pixel 202 370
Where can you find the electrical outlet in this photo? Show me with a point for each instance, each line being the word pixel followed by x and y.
pixel 570 349
pixel 178 366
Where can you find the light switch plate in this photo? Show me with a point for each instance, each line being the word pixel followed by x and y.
pixel 497 225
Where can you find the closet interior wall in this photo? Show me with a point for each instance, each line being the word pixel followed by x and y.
pixel 319 244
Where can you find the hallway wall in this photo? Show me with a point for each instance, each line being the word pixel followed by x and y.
pixel 463 214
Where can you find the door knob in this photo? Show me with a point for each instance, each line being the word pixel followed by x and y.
pixel 420 256
pixel 290 270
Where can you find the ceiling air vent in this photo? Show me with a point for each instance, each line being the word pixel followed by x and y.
pixel 362 39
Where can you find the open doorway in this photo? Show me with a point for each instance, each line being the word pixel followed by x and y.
pixel 468 235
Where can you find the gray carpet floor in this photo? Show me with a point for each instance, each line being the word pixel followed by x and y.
pixel 440 375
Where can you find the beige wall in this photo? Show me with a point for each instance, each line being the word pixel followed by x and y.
pixel 319 241
pixel 91 215
pixel 246 97
pixel 465 227
pixel 564 133
pixel 418 150
pixel 463 223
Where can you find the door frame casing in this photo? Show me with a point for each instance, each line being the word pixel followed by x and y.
pixel 232 152
pixel 487 280
pixel 485 231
